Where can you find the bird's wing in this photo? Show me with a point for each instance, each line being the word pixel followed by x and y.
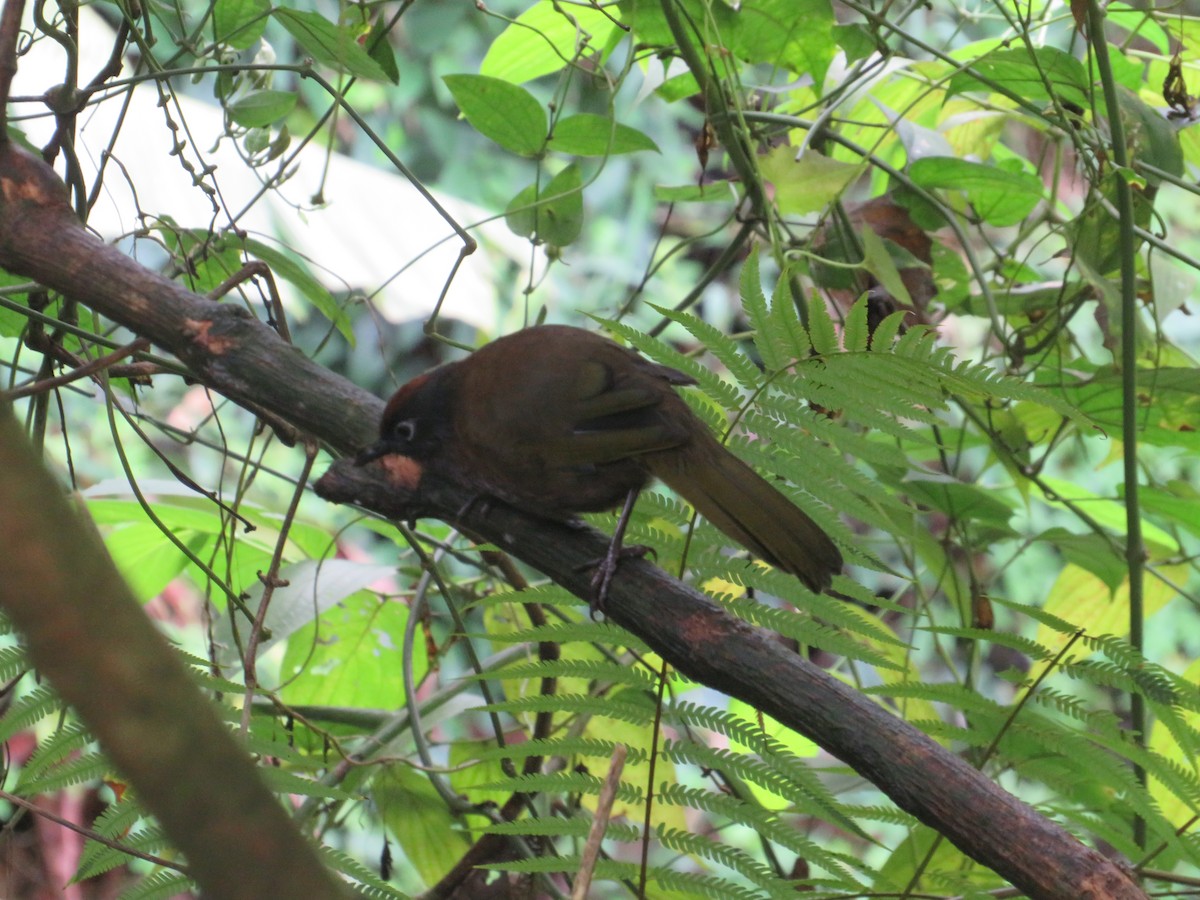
pixel 617 413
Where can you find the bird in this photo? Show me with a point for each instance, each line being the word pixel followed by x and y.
pixel 557 420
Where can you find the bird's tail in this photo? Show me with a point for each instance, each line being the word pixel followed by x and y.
pixel 746 507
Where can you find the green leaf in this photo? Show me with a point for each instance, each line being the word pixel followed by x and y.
pixel 544 39
pixel 146 559
pixel 879 263
pixel 293 270
pixel 649 26
pixel 262 108
pixel 1110 513
pixel 856 40
pixel 12 322
pixel 1031 76
pixel 380 49
pixel 1000 196
pixel 587 134
pixel 1168 403
pixel 312 588
pixel 239 23
pixel 329 44
pixel 213 261
pixel 420 820
pixel 1090 552
pixel 960 500
pixel 1177 504
pixel 709 192
pixel 506 113
pixel 350 656
pixel 796 35
pixel 1141 22
pixel 556 216
pixel 1151 138
pixel 806 185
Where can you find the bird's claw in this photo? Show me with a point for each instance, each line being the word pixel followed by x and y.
pixel 606 567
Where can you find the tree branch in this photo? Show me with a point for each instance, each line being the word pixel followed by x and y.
pixel 88 634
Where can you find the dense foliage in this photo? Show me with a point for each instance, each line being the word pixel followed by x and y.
pixel 931 267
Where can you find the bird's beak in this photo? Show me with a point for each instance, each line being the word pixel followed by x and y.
pixel 376 450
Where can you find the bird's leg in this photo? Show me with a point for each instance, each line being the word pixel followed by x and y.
pixel 606 566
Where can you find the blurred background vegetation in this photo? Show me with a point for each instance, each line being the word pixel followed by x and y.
pixel 956 165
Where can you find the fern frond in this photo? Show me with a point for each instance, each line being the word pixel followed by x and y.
pixel 13 661
pixel 1039 615
pixel 697 884
pixel 822 471
pixel 159 886
pixel 589 669
pixel 732 858
pixel 1187 738
pixel 806 785
pixel 1068 762
pixel 203 675
pixel 1100 720
pixel 545 594
pixel 770 347
pixel 565 632
pixel 29 710
pixel 369 884
pixel 576 826
pixel 809 632
pixel 281 781
pixel 98 858
pixel 56 747
pixel 1024 645
pixel 888 815
pixel 856 336
pixel 1147 682
pixel 853 390
pixel 822 332
pixel 786 327
pixel 720 345
pixel 119 818
pixel 1156 683
pixel 763 821
pixel 577 704
pixel 886 331
pixel 88 767
pixel 829 610
pixel 721 391
pixel 568 747
pixel 562 782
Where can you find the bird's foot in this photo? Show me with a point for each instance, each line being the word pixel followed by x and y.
pixel 606 567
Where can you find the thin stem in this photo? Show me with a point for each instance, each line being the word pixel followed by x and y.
pixel 1135 551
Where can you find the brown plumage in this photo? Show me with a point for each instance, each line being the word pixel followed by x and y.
pixel 557 421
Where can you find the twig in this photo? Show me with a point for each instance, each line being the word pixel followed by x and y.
pixel 10 30
pixel 89 368
pixel 91 834
pixel 604 805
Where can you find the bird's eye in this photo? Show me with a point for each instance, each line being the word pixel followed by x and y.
pixel 405 430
